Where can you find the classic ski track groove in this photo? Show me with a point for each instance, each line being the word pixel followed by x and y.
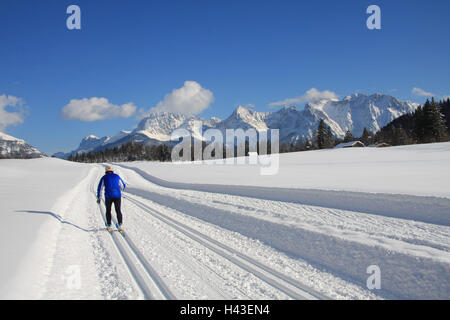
pixel 148 273
pixel 281 282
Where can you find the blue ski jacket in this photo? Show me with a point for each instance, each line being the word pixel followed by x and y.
pixel 113 185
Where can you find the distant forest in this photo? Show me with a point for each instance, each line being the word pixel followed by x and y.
pixel 427 124
pixel 126 152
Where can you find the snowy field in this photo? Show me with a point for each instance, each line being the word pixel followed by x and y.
pixel 202 231
pixel 421 170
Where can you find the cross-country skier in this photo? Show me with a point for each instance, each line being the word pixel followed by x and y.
pixel 113 185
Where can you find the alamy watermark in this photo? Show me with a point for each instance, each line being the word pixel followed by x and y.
pixel 230 147
pixel 374 280
pixel 374 20
pixel 73 277
pixel 74 20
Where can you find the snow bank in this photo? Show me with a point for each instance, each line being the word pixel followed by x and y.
pixel 426 209
pixel 32 193
pixel 420 170
pixel 409 182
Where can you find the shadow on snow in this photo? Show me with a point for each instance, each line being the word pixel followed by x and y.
pixel 60 219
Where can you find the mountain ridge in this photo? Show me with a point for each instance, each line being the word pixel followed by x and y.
pixel 15 148
pixel 354 112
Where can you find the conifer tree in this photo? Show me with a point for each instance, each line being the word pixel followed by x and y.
pixel 321 135
pixel 429 123
pixel 366 137
pixel 438 127
pixel 330 141
pixel 348 136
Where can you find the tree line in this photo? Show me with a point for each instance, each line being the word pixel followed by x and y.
pixel 427 124
pixel 130 151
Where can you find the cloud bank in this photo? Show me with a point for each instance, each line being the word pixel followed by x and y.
pixel 190 99
pixel 93 109
pixel 9 117
pixel 311 95
pixel 421 92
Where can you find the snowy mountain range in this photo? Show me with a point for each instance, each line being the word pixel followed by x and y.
pixel 354 113
pixel 15 148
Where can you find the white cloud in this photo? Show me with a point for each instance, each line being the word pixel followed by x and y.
pixel 93 109
pixel 11 118
pixel 247 106
pixel 421 92
pixel 310 96
pixel 190 99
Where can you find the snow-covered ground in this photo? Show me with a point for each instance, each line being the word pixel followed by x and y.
pixel 32 195
pixel 421 170
pixel 202 231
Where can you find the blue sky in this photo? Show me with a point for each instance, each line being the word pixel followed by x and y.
pixel 242 52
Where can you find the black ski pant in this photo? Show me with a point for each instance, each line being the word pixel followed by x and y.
pixel 108 203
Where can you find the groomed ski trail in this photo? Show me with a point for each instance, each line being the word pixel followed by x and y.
pixel 291 278
pixel 164 254
pixel 290 287
pixel 145 277
pixel 210 283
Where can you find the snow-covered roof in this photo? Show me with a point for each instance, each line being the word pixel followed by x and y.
pixel 349 144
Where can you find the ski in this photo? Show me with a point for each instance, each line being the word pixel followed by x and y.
pixel 120 230
pixel 108 227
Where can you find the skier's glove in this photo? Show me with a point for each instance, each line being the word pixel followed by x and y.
pixel 98 200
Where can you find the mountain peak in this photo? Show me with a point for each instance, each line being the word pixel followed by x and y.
pixel 161 119
pixel 215 119
pixel 91 137
pixel 242 110
pixel 289 108
pixel 90 142
pixel 14 148
pixel 6 137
